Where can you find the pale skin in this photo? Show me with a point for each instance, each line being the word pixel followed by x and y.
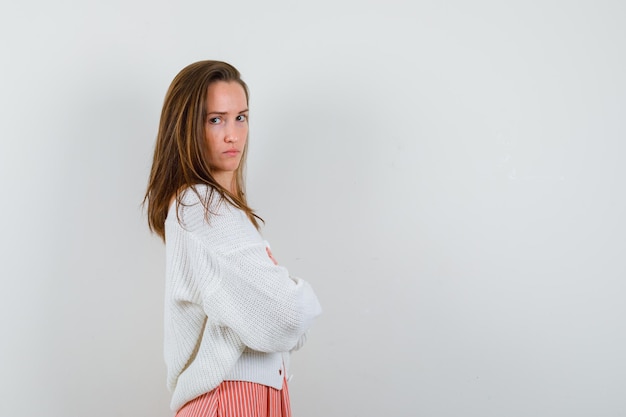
pixel 226 132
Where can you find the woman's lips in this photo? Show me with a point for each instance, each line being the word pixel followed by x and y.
pixel 231 152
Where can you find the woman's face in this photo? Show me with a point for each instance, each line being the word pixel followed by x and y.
pixel 225 128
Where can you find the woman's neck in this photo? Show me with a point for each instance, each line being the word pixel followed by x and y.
pixel 226 179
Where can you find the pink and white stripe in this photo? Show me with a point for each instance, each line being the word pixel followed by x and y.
pixel 239 399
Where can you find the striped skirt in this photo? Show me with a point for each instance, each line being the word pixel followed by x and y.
pixel 239 399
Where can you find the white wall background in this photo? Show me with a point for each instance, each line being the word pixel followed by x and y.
pixel 448 175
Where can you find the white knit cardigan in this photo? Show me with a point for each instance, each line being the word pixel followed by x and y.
pixel 230 313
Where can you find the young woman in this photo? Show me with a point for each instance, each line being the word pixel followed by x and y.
pixel 232 315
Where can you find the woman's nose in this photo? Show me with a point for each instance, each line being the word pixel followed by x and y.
pixel 230 134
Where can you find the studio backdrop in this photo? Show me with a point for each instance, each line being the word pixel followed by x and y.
pixel 448 175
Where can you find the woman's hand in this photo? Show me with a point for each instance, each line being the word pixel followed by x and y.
pixel 269 253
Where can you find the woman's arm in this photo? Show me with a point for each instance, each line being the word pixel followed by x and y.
pixel 269 310
pixel 239 285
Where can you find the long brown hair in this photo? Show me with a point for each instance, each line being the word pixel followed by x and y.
pixel 180 159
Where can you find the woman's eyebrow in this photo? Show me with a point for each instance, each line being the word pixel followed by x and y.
pixel 225 112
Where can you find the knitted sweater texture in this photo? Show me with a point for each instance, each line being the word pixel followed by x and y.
pixel 230 313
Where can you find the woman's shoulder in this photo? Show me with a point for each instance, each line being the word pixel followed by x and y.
pixel 196 194
pixel 201 201
pixel 203 212
pixel 201 196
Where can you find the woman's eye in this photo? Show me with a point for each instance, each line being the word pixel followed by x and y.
pixel 242 118
pixel 214 120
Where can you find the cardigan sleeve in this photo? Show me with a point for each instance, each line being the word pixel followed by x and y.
pixel 238 285
pixel 267 309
